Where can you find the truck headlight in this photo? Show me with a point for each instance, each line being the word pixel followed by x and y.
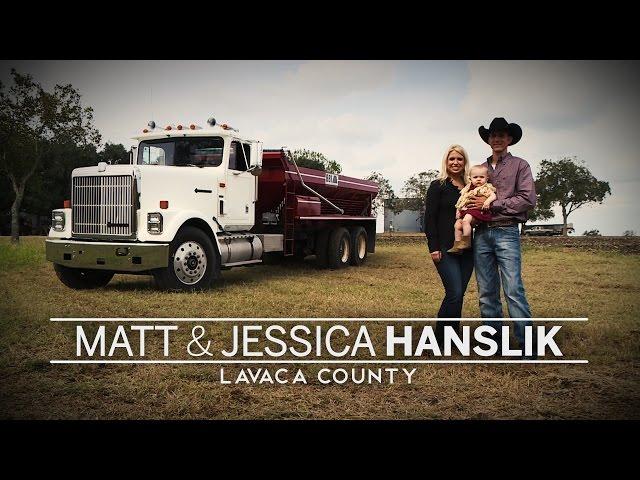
pixel 154 223
pixel 58 220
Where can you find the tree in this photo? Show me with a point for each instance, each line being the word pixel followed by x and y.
pixel 311 159
pixel 629 233
pixel 540 213
pixel 569 184
pixel 386 196
pixel 415 189
pixel 542 210
pixel 50 185
pixel 114 153
pixel 591 233
pixel 32 122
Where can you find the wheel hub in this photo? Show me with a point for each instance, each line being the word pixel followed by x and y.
pixel 192 262
pixel 344 250
pixel 362 246
pixel 189 262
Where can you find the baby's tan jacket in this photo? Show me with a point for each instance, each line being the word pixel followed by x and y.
pixel 481 191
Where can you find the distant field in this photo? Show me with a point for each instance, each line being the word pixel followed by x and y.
pixel 575 277
pixel 616 244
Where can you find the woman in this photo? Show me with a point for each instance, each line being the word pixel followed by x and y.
pixel 439 218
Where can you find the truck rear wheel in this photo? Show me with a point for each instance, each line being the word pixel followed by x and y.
pixel 339 248
pixel 82 279
pixel 193 262
pixel 321 248
pixel 359 244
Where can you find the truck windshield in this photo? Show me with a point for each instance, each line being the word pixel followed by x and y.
pixel 200 151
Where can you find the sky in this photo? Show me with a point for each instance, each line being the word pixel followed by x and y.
pixel 394 117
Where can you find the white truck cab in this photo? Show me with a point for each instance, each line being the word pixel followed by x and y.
pixel 122 218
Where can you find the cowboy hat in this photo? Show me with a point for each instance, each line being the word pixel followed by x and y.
pixel 500 124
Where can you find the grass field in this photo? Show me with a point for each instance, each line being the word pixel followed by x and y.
pixel 397 281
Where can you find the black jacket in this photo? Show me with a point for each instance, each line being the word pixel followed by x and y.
pixel 440 215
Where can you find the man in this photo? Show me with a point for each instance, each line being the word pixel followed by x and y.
pixel 496 244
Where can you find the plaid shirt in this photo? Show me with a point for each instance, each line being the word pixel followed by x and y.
pixel 516 190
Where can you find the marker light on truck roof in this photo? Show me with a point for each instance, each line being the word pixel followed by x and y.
pixel 225 126
pixel 192 126
pixel 145 131
pixel 179 127
pixel 168 127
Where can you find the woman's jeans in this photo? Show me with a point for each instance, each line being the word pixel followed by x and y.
pixel 497 257
pixel 455 272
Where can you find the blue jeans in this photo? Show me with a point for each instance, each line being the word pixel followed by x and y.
pixel 455 272
pixel 497 257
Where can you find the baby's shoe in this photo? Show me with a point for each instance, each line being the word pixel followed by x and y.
pixel 456 248
pixel 465 243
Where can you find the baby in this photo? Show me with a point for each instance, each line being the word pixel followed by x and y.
pixel 466 219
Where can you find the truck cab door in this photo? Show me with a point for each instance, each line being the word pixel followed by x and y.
pixel 240 189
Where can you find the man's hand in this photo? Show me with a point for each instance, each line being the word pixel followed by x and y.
pixel 458 215
pixel 475 202
pixel 486 205
pixel 436 256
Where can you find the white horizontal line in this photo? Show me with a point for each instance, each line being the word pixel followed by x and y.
pixel 361 184
pixel 317 362
pixel 311 319
pixel 339 179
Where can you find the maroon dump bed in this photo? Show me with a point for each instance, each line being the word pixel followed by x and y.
pixel 299 203
pixel 279 187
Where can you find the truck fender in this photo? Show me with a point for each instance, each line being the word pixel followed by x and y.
pixel 194 218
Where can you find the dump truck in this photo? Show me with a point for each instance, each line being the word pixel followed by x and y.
pixel 194 201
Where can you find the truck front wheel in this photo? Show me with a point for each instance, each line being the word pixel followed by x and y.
pixel 193 263
pixel 82 279
pixel 339 251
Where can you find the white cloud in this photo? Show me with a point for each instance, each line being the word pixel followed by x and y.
pixel 337 78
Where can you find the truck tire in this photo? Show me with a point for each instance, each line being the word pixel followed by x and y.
pixel 339 248
pixel 359 246
pixel 82 279
pixel 193 262
pixel 321 248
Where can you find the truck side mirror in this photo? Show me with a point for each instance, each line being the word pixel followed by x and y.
pixel 255 170
pixel 256 159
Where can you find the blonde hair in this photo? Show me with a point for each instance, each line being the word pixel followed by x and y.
pixel 443 171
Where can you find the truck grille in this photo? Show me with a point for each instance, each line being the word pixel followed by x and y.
pixel 103 206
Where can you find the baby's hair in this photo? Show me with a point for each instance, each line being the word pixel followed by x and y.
pixel 479 166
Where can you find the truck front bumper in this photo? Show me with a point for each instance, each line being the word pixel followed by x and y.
pixel 126 257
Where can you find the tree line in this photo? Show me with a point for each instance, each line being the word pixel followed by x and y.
pixel 44 135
